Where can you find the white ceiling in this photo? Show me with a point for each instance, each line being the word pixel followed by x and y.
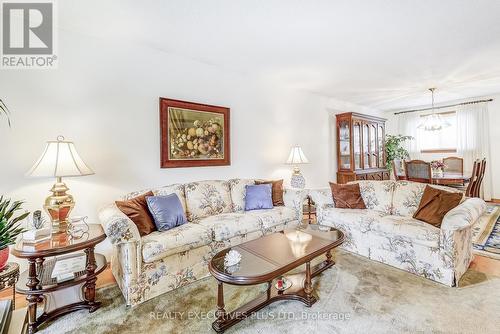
pixel 381 54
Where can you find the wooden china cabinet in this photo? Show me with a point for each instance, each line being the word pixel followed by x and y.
pixel 360 148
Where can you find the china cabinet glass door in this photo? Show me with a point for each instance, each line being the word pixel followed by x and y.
pixel 366 142
pixel 344 145
pixel 357 145
pixel 373 145
pixel 381 162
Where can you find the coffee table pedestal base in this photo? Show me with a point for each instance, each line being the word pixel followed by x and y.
pixel 301 290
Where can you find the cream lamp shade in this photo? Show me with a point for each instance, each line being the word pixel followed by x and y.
pixel 297 156
pixel 59 158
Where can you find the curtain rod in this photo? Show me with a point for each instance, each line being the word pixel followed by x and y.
pixel 441 107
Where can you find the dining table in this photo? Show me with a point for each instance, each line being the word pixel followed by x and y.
pixel 448 178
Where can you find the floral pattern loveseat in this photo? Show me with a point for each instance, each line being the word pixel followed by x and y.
pixel 387 232
pixel 148 266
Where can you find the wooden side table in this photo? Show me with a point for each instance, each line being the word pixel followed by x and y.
pixel 8 278
pixel 309 210
pixel 37 284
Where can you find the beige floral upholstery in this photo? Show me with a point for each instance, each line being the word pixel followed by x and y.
pixel 177 189
pixel 407 196
pixel 393 237
pixel 158 245
pixel 238 192
pixel 415 230
pixel 228 225
pixel 207 198
pixel 162 261
pixel 377 195
pixel 275 216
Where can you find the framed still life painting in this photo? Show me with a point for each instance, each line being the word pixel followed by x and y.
pixel 193 134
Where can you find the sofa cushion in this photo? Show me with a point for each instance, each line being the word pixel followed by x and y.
pixel 416 231
pixel 347 196
pixel 259 196
pixel 136 209
pixel 377 195
pixel 228 225
pixel 275 216
pixel 371 221
pixel 238 193
pixel 167 211
pixel 407 196
pixel 177 189
pixel 435 204
pixel 158 245
pixel 356 218
pixel 207 198
pixel 277 188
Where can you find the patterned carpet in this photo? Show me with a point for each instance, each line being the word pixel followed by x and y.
pixel 355 296
pixel 486 233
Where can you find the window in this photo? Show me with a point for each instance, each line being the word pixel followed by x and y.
pixel 442 141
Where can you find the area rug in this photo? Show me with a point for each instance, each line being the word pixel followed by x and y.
pixel 355 296
pixel 486 233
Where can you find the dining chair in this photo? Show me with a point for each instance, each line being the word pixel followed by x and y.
pixel 480 175
pixel 469 192
pixel 418 171
pixel 399 169
pixel 453 165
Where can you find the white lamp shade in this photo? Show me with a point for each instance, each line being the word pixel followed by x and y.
pixel 59 158
pixel 297 156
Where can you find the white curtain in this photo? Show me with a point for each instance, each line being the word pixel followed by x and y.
pixel 473 140
pixel 407 126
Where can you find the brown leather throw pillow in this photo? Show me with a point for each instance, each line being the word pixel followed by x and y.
pixel 434 205
pixel 277 191
pixel 137 210
pixel 347 196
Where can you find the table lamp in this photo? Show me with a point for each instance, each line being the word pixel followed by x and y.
pixel 59 159
pixel 296 158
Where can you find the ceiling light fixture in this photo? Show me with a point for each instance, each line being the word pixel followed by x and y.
pixel 434 121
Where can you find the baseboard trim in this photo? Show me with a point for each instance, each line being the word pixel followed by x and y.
pixel 495 200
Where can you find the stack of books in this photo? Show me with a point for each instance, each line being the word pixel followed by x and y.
pixel 37 235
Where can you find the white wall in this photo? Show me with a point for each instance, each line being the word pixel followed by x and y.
pixel 494 121
pixel 107 103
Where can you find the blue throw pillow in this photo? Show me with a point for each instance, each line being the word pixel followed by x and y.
pixel 258 197
pixel 167 211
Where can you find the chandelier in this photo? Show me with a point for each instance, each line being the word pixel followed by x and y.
pixel 434 121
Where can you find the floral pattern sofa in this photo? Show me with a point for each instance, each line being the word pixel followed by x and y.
pixel 148 266
pixel 387 232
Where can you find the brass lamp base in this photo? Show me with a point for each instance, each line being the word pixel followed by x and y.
pixel 58 206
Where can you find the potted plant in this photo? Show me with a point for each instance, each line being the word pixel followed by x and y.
pixel 9 226
pixel 394 149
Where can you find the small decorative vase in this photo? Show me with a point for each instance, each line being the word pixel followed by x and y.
pixel 437 172
pixel 4 256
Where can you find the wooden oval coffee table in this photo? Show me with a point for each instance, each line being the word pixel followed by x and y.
pixel 268 258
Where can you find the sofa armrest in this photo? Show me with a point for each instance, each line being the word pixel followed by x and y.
pixel 456 235
pixel 294 198
pixel 118 227
pixel 464 215
pixel 323 199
